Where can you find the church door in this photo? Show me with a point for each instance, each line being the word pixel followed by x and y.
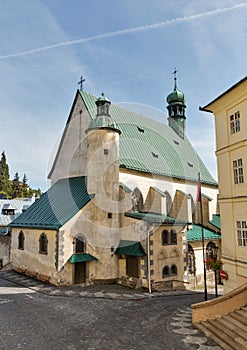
pixel 132 266
pixel 80 272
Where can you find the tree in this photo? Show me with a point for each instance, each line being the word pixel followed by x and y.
pixel 16 188
pixel 25 186
pixel 4 175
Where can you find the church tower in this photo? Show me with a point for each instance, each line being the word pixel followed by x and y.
pixel 176 109
pixel 103 158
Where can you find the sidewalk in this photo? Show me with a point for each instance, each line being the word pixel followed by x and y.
pixel 103 291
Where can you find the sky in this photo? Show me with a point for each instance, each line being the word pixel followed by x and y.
pixel 128 49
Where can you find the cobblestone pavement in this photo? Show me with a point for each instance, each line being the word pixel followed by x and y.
pixel 97 317
pixel 105 291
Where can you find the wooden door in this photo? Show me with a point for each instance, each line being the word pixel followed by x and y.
pixel 80 273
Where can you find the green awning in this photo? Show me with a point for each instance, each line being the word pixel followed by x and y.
pixel 130 248
pixel 82 257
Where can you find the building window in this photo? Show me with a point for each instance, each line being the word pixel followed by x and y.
pixel 106 151
pixel 235 122
pixel 174 270
pixel 242 233
pixel 80 245
pixel 173 235
pixel 43 244
pixel 165 237
pixel 21 239
pixel 238 171
pixel 169 237
pixel 165 272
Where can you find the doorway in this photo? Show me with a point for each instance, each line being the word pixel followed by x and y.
pixel 80 272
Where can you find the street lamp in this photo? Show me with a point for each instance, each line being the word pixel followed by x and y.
pixel 215 250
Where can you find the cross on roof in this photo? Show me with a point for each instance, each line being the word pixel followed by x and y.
pixel 174 73
pixel 81 83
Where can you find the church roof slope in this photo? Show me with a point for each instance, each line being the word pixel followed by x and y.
pixel 153 147
pixel 56 206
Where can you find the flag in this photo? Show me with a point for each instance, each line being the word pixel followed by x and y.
pixel 198 196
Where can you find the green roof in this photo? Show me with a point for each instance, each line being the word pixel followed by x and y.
pixel 81 257
pixel 153 147
pixel 155 218
pixel 130 248
pixel 56 206
pixel 195 234
pixel 216 221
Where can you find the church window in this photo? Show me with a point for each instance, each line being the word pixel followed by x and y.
pixel 242 233
pixel 174 270
pixel 165 237
pixel 238 171
pixel 235 123
pixel 80 245
pixel 106 151
pixel 109 215
pixel 169 237
pixel 43 244
pixel 165 271
pixel 21 239
pixel 173 235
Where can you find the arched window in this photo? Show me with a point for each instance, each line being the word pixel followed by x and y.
pixel 173 234
pixel 191 260
pixel 43 244
pixel 174 270
pixel 80 245
pixel 21 239
pixel 165 272
pixel 165 237
pixel 210 250
pixel 137 200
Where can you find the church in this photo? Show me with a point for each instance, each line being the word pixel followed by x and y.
pixel 121 203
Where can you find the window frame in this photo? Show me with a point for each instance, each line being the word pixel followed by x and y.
pixel 21 240
pixel 238 171
pixel 169 237
pixel 241 227
pixel 234 120
pixel 43 244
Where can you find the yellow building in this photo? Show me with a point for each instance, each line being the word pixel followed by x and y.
pixel 230 111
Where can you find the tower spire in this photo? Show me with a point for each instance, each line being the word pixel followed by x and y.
pixel 176 108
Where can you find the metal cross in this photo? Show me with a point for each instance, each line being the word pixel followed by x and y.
pixel 175 72
pixel 81 83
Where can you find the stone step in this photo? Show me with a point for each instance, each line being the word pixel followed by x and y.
pixel 209 331
pixel 236 330
pixel 239 315
pixel 236 324
pixel 229 331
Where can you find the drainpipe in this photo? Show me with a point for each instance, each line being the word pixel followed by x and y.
pixel 149 228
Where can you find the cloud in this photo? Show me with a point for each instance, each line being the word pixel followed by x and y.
pixel 126 31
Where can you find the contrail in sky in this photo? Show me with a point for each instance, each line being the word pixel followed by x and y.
pixel 125 31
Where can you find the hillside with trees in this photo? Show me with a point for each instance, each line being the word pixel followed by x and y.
pixel 14 188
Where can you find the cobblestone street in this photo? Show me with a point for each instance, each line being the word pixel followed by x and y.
pixel 113 318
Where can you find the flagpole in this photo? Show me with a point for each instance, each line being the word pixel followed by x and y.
pixel 199 198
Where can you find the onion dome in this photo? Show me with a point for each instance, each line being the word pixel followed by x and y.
pixel 176 96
